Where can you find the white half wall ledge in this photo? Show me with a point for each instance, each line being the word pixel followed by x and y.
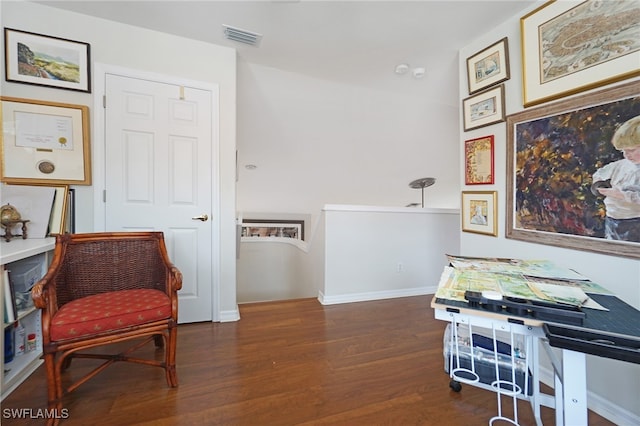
pixel 383 209
pixel 375 295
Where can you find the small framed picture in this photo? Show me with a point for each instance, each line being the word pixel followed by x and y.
pixel 484 109
pixel 488 67
pixel 46 61
pixel 259 228
pixel 478 161
pixel 480 212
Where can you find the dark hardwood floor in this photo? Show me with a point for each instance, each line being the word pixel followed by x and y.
pixel 288 363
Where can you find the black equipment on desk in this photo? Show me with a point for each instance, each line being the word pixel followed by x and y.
pixel 554 312
pixel 604 345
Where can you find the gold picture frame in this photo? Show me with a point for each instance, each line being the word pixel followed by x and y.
pixel 480 212
pixel 44 143
pixel 557 63
pixel 59 211
pixel 488 67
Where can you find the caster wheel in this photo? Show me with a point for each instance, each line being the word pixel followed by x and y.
pixel 455 386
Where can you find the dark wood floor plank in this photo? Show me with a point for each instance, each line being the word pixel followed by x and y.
pixel 289 363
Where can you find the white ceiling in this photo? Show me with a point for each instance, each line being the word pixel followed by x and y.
pixel 350 41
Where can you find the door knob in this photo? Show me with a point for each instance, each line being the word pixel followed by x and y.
pixel 202 217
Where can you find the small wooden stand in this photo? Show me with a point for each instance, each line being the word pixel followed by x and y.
pixel 10 224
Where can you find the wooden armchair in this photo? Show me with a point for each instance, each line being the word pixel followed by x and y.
pixel 105 288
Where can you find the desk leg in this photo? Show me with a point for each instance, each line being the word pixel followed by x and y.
pixel 574 377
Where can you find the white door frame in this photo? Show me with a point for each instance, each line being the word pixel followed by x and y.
pixel 98 154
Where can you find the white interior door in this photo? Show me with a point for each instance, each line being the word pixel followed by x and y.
pixel 158 176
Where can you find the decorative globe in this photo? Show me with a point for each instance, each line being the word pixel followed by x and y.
pixel 8 214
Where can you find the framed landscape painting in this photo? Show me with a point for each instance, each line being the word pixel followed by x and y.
pixel 46 61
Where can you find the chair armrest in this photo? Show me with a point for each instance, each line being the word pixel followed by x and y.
pixel 43 293
pixel 175 279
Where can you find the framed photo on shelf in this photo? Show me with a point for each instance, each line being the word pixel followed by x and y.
pixel 559 156
pixel 46 61
pixel 576 46
pixel 480 212
pixel 44 143
pixel 478 161
pixel 484 109
pixel 488 67
pixel 59 211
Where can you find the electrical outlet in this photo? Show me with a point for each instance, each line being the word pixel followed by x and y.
pixel 399 267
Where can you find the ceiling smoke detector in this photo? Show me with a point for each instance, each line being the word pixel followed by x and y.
pixel 402 69
pixel 241 36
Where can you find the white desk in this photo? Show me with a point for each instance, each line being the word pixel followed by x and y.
pixel 570 397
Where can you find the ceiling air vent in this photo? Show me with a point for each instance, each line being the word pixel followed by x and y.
pixel 241 36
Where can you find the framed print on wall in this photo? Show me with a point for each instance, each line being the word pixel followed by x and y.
pixel 259 228
pixel 484 109
pixel 488 67
pixel 44 142
pixel 478 161
pixel 569 47
pixel 480 212
pixel 42 60
pixel 569 183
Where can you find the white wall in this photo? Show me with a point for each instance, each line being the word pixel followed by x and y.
pixel 612 384
pixel 144 50
pixel 273 270
pixel 318 142
pixel 376 253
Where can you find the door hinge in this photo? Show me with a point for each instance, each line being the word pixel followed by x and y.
pixel 104 195
pixel 104 101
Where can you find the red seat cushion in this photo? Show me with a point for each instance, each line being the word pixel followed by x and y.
pixel 109 311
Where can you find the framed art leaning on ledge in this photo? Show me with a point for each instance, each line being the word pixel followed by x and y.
pixel 44 142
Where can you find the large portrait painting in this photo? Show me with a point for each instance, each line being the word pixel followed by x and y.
pixel 573 172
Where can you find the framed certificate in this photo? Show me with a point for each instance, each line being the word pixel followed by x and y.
pixel 44 142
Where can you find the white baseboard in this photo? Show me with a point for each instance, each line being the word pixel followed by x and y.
pixel 230 315
pixel 597 403
pixel 374 295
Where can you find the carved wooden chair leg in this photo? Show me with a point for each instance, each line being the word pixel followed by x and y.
pixel 170 354
pixel 54 389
